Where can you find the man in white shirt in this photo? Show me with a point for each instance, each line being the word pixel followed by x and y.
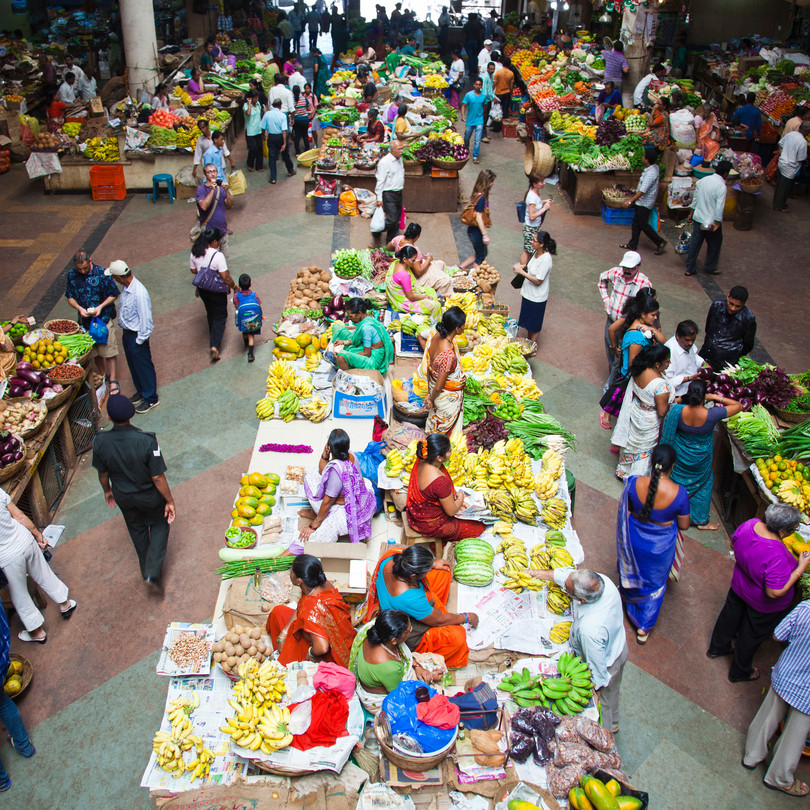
pixel 597 633
pixel 81 76
pixel 640 98
pixel 793 152
pixel 707 218
pixel 685 362
pixel 280 91
pixel 67 90
pixel 297 79
pixel 484 56
pixel 390 182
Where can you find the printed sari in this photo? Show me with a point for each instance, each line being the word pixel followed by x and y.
pixel 323 614
pixel 399 302
pixel 381 357
pixel 449 641
pixel 449 404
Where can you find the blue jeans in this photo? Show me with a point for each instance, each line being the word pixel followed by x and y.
pixel 10 718
pixel 141 367
pixel 477 239
pixel 478 129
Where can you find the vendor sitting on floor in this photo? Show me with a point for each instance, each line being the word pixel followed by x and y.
pixel 432 499
pixel 319 628
pixel 428 270
pixel 375 131
pixel 195 86
pixel 369 343
pixel 341 500
pixel 404 295
pixel 411 580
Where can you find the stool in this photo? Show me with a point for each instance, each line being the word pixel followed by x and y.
pixel 410 537
pixel 157 179
pixel 572 488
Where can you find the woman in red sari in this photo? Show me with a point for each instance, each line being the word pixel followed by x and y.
pixel 432 499
pixel 320 627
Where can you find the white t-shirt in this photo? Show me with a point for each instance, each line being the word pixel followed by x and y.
pixel 638 93
pixel 794 153
pixel 217 262
pixel 533 198
pixel 14 537
pixel 203 145
pixel 540 268
pixel 456 71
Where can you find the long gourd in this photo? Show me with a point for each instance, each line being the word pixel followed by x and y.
pixel 265 552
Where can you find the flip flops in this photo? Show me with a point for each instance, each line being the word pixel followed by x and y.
pixel 66 614
pixel 798 788
pixel 24 635
pixel 754 676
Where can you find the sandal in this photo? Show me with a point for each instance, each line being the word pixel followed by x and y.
pixel 66 614
pixel 641 638
pixel 754 676
pixel 626 247
pixel 114 387
pixel 798 788
pixel 11 743
pixel 24 635
pixel 215 355
pixel 604 420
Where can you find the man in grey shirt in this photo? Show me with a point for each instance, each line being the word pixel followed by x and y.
pixel 644 201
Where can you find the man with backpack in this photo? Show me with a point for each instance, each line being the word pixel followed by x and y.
pixel 247 313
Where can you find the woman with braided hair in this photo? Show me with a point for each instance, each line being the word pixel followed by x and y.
pixel 652 512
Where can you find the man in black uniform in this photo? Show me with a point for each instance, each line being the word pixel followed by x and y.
pixel 131 472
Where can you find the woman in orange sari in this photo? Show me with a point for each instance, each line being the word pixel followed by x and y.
pixel 411 580
pixel 441 371
pixel 432 499
pixel 320 627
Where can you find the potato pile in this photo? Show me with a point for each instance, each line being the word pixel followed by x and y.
pixel 308 287
pixel 21 416
pixel 241 644
pixel 486 276
pixel 46 140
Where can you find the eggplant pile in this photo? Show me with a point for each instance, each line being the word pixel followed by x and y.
pixel 11 448
pixel 29 383
pixel 335 310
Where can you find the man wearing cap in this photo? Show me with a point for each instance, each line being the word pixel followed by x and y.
pixel 135 318
pixel 484 56
pixel 131 471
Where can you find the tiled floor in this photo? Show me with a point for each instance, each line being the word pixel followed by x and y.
pixel 95 700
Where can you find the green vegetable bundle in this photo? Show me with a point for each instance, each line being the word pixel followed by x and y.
pixel 161 136
pixel 77 344
pixel 244 568
pixel 795 441
pixel 756 430
pixel 535 427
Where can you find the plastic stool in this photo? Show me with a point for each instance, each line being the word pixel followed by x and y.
pixel 157 179
pixel 572 489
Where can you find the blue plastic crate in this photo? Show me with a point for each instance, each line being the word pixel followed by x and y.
pixel 326 206
pixel 539 133
pixel 409 343
pixel 616 216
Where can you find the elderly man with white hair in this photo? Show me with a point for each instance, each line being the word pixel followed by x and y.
pixel 597 632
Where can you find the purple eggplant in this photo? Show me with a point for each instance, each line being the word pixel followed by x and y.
pixel 746 404
pixel 31 377
pixel 6 459
pixel 16 391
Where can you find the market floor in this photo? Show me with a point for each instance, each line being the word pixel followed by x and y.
pixel 95 701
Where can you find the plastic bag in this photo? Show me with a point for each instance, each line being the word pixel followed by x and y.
pixel 366 202
pixel 400 707
pixel 237 182
pixel 300 718
pixel 402 219
pixel 347 204
pixel 600 738
pixel 325 188
pixel 98 331
pixel 29 129
pixel 369 461
pixel 682 247
pixel 378 220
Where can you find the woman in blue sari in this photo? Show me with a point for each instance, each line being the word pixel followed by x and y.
pixel 689 428
pixel 652 510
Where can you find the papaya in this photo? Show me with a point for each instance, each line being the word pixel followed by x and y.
pixel 517 804
pixel 598 795
pixel 270 500
pixel 240 522
pixel 578 800
pixel 264 509
pixel 279 354
pixel 250 491
pixel 273 478
pixel 286 344
pixel 246 511
pixel 247 500
pixel 304 340
pixel 256 520
pixel 324 340
pixel 270 489
pixel 613 787
pixel 311 350
pixel 257 480
pixel 243 481
pixel 629 803
pixel 235 513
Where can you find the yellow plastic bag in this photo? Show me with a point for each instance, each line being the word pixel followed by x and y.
pixel 347 204
pixel 265 150
pixel 237 182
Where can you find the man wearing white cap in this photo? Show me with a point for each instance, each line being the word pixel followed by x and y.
pixel 135 318
pixel 484 56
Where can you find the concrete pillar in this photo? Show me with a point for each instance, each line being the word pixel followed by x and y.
pixel 140 45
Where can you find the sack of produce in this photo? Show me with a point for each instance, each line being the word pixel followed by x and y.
pixel 682 128
pixel 347 204
pixel 237 182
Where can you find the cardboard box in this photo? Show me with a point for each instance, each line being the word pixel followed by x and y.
pixel 347 406
pixel 344 565
pixel 96 107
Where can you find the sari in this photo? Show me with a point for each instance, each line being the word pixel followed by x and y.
pixel 380 358
pixel 435 276
pixel 353 517
pixel 426 513
pixel 449 404
pixel 693 466
pixel 399 302
pixel 658 132
pixel 646 554
pixel 372 701
pixel 323 614
pixel 449 641
pixel 321 87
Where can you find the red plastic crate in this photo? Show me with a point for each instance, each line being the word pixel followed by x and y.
pixel 106 175
pixel 116 191
pixel 510 127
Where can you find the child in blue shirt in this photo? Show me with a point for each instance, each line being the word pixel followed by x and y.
pixel 247 313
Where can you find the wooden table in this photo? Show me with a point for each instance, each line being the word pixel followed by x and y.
pixel 584 189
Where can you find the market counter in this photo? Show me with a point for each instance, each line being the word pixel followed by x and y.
pixel 584 189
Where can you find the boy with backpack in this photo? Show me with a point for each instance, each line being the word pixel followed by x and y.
pixel 247 313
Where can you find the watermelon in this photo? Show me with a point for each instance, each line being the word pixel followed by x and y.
pixel 474 573
pixel 474 548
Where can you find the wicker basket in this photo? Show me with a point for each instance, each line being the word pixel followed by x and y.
pixel 55 402
pixel 751 187
pixel 43 413
pixel 68 383
pixel 414 167
pixel 450 165
pixel 612 202
pixel 47 325
pixel 27 674
pixel 538 159
pixel 789 416
pixel 410 762
pixel 15 467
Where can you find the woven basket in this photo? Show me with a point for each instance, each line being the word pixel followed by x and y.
pixel 538 159
pixel 451 165
pixel 751 188
pixel 54 402
pixel 32 430
pixel 14 468
pixel 67 383
pixel 789 416
pixel 410 762
pixel 47 325
pixel 27 674
pixel 278 770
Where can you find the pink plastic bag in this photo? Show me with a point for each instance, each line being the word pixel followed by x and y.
pixel 332 676
pixel 402 219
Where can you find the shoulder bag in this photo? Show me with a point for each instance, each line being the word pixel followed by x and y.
pixel 209 279
pixel 195 232
pixel 468 214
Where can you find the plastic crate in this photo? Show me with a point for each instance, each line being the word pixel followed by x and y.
pixel 510 127
pixel 539 133
pixel 326 206
pixel 409 343
pixel 616 216
pixel 106 175
pixel 117 191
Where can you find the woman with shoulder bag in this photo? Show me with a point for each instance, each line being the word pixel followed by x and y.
pixel 534 290
pixel 536 208
pixel 476 217
pixel 213 282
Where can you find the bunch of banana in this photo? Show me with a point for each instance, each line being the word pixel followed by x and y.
pixel 312 361
pixel 522 387
pixel 545 486
pixel 302 386
pixel 504 529
pixel 288 404
pixel 476 365
pixel 484 351
pixel 316 410
pixel 554 537
pixel 410 327
pixel 572 691
pixel 554 513
pixel 395 325
pixel 266 408
pixel 540 557
pixel 517 581
pixel 274 729
pixel 200 766
pixel 456 467
pixel 552 463
pixel 497 470
pixel 557 600
pixel 394 464
pixel 280 378
pixel 526 509
pixel 500 504
pixel 791 492
pixel 466 301
pixel 494 325
pixel 261 684
pixel 182 707
pixel 408 460
pixel 560 558
pixel 560 632
pixel 170 745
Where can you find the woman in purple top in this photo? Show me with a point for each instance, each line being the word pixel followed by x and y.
pixel 615 64
pixel 761 589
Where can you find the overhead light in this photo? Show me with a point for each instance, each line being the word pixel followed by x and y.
pixel 565 6
pixel 553 5
pixel 605 18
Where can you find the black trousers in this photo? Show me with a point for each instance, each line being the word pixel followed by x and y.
pixel 300 135
pixel 487 108
pixel 149 531
pixel 784 185
pixel 714 241
pixel 738 620
pixel 216 309
pixel 506 104
pixel 274 149
pixel 392 208
pixel 255 154
pixel 641 222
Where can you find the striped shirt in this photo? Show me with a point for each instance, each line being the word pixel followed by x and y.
pixel 622 290
pixel 791 675
pixel 648 186
pixel 135 311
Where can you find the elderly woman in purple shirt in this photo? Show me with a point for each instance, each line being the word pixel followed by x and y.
pixel 341 500
pixel 761 590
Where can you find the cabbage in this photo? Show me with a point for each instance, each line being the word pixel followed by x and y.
pixel 589 59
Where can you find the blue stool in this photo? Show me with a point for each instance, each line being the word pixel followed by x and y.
pixel 157 179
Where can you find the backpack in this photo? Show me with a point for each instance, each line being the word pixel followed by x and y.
pixel 248 315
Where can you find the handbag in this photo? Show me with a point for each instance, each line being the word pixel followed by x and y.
pixel 517 281
pixel 209 279
pixel 98 330
pixel 194 233
pixel 468 217
pixel 478 707
pixel 521 211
